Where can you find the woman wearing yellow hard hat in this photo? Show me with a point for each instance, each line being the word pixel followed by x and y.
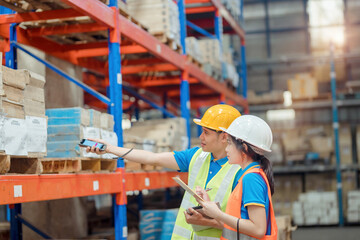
pixel 207 166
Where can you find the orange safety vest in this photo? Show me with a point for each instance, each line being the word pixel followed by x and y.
pixel 234 208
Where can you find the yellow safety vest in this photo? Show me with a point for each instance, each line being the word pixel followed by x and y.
pixel 221 185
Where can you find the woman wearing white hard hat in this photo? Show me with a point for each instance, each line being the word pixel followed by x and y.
pixel 249 212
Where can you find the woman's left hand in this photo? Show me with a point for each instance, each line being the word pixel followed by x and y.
pixel 211 209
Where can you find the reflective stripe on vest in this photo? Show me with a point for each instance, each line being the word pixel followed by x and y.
pixel 234 208
pixel 196 237
pixel 182 232
pixel 222 186
pixel 230 234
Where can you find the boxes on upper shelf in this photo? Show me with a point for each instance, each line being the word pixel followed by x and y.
pixel 211 52
pixel 160 16
pixel 303 86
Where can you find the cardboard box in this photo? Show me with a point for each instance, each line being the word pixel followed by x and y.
pixel 14 94
pixel 284 227
pixel 34 108
pixel 34 93
pixel 34 79
pixel 14 78
pixel 345 145
pixel 13 109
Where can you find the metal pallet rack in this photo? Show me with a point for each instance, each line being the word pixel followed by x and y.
pixel 123 36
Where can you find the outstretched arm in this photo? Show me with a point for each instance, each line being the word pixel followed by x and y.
pixel 165 159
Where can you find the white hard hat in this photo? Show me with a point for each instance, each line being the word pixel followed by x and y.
pixel 253 130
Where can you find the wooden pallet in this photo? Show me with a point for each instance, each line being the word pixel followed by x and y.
pixel 16 164
pixel 31 165
pixel 193 61
pixel 171 43
pixel 75 38
pixel 80 164
pixel 138 167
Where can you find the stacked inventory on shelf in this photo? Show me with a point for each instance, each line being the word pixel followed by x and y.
pixel 314 208
pixel 211 52
pixel 303 86
pixel 193 49
pixel 234 6
pixel 160 16
pixel 168 134
pixel 22 113
pixel 353 210
pixel 316 139
pixel 67 126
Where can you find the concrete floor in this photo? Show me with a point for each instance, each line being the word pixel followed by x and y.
pixel 327 233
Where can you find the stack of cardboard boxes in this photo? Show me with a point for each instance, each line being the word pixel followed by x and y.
pixel 169 134
pixel 303 86
pixel 160 16
pixel 353 210
pixel 67 126
pixel 316 208
pixel 193 49
pixel 211 52
pixel 23 121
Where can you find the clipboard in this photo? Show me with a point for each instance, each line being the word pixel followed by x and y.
pixel 187 188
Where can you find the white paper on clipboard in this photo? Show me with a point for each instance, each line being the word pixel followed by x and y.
pixel 187 188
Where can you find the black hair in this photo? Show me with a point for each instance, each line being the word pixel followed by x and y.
pixel 265 164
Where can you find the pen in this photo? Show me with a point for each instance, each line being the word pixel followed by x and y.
pixel 208 189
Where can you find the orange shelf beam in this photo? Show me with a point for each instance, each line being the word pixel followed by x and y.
pixel 30 188
pixel 151 180
pixel 199 10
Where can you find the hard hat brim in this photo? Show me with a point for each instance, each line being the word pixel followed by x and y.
pixel 264 149
pixel 198 122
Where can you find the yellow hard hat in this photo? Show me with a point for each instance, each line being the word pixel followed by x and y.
pixel 217 116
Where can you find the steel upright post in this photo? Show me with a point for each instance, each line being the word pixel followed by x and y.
pixel 116 109
pixel 243 69
pixel 336 134
pixel 184 85
pixel 11 62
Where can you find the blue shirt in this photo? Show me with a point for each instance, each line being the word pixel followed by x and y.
pixel 255 192
pixel 183 159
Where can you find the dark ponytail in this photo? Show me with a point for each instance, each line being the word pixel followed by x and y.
pixel 265 164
